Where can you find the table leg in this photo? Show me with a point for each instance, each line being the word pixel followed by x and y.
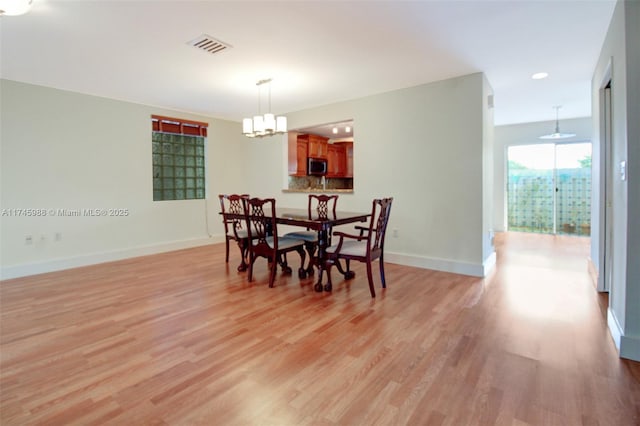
pixel 322 246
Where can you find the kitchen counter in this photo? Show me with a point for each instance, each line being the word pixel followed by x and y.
pixel 319 185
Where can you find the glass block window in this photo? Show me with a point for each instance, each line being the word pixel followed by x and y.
pixel 178 148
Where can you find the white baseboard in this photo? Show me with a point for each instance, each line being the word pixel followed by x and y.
pixel 614 328
pixel 23 270
pixel 628 346
pixel 445 265
pixel 593 273
pixel 489 264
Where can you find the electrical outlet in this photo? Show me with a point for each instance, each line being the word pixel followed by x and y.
pixel 57 236
pixel 395 233
pixel 28 240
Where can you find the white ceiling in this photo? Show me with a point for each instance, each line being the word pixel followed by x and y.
pixel 317 52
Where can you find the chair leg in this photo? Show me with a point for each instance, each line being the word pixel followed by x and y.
pixel 302 273
pixel 226 257
pixel 384 283
pixel 348 274
pixel 311 250
pixel 284 264
pixel 252 259
pixel 318 286
pixel 274 268
pixel 244 249
pixel 370 277
pixel 329 285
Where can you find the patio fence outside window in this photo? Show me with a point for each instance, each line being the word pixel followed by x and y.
pixel 530 201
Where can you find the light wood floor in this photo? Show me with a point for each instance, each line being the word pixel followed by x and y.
pixel 181 339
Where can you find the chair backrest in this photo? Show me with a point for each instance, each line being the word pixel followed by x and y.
pixel 260 216
pixel 323 205
pixel 378 225
pixel 232 204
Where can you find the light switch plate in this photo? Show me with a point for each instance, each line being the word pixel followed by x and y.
pixel 623 170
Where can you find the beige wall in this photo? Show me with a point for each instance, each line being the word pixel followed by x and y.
pixel 620 59
pixel 64 150
pixel 488 142
pixel 422 145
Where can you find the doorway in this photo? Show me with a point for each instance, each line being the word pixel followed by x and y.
pixel 549 188
pixel 606 255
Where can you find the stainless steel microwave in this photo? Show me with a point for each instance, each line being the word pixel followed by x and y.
pixel 317 167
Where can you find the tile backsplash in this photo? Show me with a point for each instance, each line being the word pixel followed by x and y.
pixel 315 182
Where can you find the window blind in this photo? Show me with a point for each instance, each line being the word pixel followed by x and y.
pixel 178 126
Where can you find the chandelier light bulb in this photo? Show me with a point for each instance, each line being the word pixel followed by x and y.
pixel 258 124
pixel 269 122
pixel 247 126
pixel 281 124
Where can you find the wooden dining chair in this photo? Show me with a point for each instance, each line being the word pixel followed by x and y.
pixel 318 206
pixel 365 247
pixel 234 227
pixel 260 216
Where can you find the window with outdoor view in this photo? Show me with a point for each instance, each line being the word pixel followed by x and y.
pixel 179 168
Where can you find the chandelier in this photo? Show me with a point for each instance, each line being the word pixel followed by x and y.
pixel 557 134
pixel 266 124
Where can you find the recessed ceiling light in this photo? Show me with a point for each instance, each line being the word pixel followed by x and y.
pixel 14 7
pixel 540 75
pixel 335 130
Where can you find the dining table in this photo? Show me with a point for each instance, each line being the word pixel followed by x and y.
pixel 322 223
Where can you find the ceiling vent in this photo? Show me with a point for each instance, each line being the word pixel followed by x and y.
pixel 208 44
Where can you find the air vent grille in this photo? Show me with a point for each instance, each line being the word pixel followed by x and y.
pixel 208 44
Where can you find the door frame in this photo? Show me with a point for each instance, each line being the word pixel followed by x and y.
pixel 605 226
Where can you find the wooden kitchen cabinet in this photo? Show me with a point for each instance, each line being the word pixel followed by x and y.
pixel 349 159
pixel 346 166
pixel 336 160
pixel 298 146
pixel 318 147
